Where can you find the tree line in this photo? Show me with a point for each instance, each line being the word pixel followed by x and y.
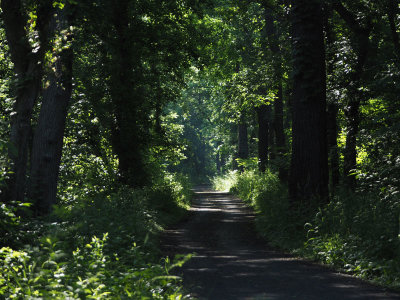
pixel 308 89
pixel 127 61
pixel 307 82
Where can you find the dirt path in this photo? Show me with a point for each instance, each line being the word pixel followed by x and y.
pixel 232 263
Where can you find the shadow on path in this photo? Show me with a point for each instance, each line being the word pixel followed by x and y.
pixel 230 262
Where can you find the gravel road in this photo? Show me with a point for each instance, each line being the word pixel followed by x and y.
pixel 230 262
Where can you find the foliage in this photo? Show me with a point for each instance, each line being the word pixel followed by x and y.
pixel 48 272
pixel 268 196
pixel 225 182
pixel 72 262
pixel 356 232
pixel 359 233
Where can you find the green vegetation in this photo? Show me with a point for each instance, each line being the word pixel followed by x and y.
pixel 109 113
pixel 355 232
pixel 102 246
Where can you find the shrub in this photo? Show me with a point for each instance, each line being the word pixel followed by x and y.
pixel 358 232
pixel 47 272
pixel 67 259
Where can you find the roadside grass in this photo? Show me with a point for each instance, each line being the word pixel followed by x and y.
pixel 356 233
pixel 100 246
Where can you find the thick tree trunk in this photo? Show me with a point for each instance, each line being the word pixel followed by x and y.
pixel 49 133
pixel 263 113
pixel 128 135
pixel 309 164
pixel 28 72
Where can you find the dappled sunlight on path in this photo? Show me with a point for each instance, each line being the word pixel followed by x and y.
pixel 230 262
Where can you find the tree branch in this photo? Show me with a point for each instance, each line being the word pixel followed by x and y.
pixel 14 24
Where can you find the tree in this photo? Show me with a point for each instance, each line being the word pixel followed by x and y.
pixel 49 132
pixel 332 101
pixel 145 48
pixel 361 45
pixel 263 118
pixel 28 62
pixel 272 41
pixel 309 165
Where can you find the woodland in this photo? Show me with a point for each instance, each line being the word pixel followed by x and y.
pixel 111 111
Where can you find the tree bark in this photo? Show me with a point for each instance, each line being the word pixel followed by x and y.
pixel 309 164
pixel 332 132
pixel 243 145
pixel 392 14
pixel 128 140
pixel 332 107
pixel 279 132
pixel 263 112
pixel 49 133
pixel 278 129
pixel 28 70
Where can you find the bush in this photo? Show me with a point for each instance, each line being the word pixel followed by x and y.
pixel 268 196
pixel 99 246
pixel 50 273
pixel 225 182
pixel 359 233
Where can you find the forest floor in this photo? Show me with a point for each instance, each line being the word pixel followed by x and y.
pixel 232 262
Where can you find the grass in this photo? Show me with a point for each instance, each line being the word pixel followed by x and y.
pixel 355 232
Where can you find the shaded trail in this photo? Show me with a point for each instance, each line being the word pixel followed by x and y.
pixel 232 263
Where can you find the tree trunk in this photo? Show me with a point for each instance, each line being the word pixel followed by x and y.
pixel 279 132
pixel 361 46
pixel 128 141
pixel 332 108
pixel 218 162
pixel 350 151
pixel 243 149
pixel 49 133
pixel 332 132
pixel 309 164
pixel 27 67
pixel 392 14
pixel 263 112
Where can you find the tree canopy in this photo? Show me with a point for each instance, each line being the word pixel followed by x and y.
pixel 119 106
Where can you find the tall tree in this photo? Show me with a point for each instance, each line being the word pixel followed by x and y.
pixel 332 105
pixel 28 62
pixel 272 39
pixel 243 144
pixel 126 97
pixel 49 132
pixel 263 118
pixel 361 45
pixel 309 164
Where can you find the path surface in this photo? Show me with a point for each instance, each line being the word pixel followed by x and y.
pixel 232 263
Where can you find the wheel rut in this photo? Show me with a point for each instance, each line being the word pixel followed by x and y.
pixel 231 262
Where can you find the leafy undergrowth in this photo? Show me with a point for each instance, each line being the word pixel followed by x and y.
pixel 103 246
pixel 356 233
